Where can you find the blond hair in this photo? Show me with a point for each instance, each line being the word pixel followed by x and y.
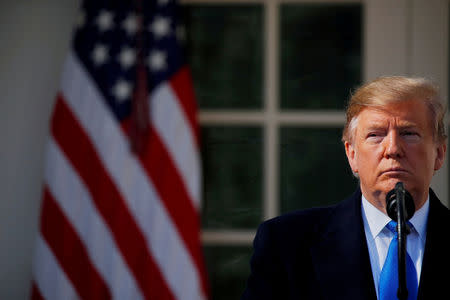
pixel 385 90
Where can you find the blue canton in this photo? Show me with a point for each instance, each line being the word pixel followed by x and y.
pixel 106 42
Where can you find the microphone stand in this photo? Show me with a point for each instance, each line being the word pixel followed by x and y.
pixel 402 292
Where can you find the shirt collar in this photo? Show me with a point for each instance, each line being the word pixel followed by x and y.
pixel 377 220
pixel 420 218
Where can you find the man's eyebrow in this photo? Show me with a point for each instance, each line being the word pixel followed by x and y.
pixel 375 126
pixel 407 125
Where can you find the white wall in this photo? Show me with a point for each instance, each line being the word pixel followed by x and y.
pixel 34 38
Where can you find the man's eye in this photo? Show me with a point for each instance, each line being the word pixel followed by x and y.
pixel 374 134
pixel 411 136
pixel 410 133
pixel 374 137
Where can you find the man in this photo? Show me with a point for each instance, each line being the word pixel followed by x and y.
pixel 394 132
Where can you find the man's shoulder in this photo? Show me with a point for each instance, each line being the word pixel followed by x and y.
pixel 438 208
pixel 301 225
pixel 310 222
pixel 303 218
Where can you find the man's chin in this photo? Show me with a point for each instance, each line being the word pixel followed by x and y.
pixel 390 184
pixel 381 191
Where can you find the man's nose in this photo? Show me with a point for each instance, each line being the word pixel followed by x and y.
pixel 394 146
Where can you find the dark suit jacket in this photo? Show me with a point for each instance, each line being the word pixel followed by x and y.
pixel 322 253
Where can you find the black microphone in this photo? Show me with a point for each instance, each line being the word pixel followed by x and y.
pixel 392 203
pixel 400 208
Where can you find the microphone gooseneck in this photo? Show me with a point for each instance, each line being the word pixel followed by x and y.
pixel 400 208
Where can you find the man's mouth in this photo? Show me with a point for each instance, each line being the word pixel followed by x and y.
pixel 394 171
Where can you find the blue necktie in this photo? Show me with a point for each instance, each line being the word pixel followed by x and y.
pixel 388 285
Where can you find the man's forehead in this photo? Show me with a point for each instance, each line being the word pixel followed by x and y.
pixel 382 120
pixel 399 115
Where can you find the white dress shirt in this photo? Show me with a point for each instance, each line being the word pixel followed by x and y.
pixel 379 237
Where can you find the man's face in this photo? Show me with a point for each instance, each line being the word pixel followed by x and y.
pixel 395 143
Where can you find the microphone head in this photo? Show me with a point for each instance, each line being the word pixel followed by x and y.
pixel 391 205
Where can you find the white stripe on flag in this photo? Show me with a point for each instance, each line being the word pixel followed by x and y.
pixel 48 275
pixel 161 234
pixel 76 203
pixel 169 119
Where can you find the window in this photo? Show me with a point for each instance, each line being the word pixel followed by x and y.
pixel 271 80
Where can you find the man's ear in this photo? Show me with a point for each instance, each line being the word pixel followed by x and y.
pixel 440 156
pixel 351 156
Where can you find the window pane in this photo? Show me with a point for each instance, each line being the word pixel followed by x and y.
pixel 232 166
pixel 228 269
pixel 225 54
pixel 313 168
pixel 321 54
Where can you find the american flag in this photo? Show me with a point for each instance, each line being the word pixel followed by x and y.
pixel 122 181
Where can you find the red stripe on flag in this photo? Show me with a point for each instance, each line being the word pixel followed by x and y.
pixel 181 83
pixel 35 293
pixel 170 186
pixel 70 251
pixel 129 239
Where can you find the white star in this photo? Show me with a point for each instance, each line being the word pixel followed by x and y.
pixel 157 60
pixel 160 27
pixel 127 57
pixel 105 20
pixel 100 54
pixel 130 24
pixel 121 90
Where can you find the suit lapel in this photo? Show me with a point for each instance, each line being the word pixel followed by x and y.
pixel 437 249
pixel 341 257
